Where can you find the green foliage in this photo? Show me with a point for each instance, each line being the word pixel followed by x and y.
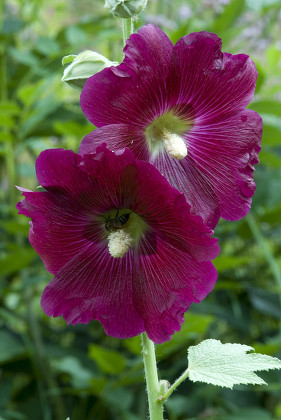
pixel 228 364
pixel 52 371
pixel 108 361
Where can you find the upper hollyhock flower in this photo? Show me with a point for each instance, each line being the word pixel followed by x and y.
pixel 182 108
pixel 121 242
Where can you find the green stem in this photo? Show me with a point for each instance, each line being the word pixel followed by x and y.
pixel 128 28
pixel 151 375
pixel 175 385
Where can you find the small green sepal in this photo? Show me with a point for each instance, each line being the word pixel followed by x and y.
pixel 83 66
pixel 67 59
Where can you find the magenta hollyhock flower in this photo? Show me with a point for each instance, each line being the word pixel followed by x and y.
pixel 182 108
pixel 121 242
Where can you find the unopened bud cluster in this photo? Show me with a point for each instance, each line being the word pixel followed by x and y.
pixel 125 8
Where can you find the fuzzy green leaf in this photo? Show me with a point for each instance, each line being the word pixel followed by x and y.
pixel 227 364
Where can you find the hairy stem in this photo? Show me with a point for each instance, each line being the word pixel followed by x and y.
pixel 152 382
pixel 128 28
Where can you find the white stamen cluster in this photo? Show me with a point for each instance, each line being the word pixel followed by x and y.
pixel 119 243
pixel 174 145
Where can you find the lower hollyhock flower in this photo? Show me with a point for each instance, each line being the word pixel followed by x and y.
pixel 121 242
pixel 182 108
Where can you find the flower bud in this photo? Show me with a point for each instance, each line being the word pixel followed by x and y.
pixel 164 388
pixel 83 66
pixel 125 8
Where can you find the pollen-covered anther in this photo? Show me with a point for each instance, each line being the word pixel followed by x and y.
pixel 174 145
pixel 119 243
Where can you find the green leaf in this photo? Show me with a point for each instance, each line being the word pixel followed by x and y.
pixel 9 108
pixel 195 325
pixel 6 389
pixel 249 413
pixel 270 159
pixel 11 25
pixel 133 345
pixel 80 376
pixel 75 35
pixel 270 347
pixel 71 128
pixel 271 135
pixel 272 215
pixel 261 75
pixel 227 364
pixel 258 5
pixel 267 107
pixel 273 55
pixel 47 46
pixel 46 107
pixel 5 137
pixel 16 261
pixel 10 347
pixel 24 57
pixel 223 263
pixel 67 59
pixel 109 361
pixel 28 93
pixel 118 398
pixel 265 302
pixel 14 227
pixel 98 385
pixel 6 121
pixel 230 13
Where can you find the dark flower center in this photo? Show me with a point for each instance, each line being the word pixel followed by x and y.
pixel 124 229
pixel 116 222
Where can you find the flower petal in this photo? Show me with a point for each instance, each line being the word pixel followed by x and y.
pixel 217 174
pixel 167 213
pixel 66 218
pixel 135 91
pixel 58 169
pixel 226 153
pixel 68 173
pixel 117 137
pixel 212 82
pixel 149 289
pixel 149 51
pixel 187 178
pixel 155 281
pixel 60 228
pixel 195 81
pixel 94 285
pixel 166 283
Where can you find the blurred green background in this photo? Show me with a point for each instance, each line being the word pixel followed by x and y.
pixel 49 370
